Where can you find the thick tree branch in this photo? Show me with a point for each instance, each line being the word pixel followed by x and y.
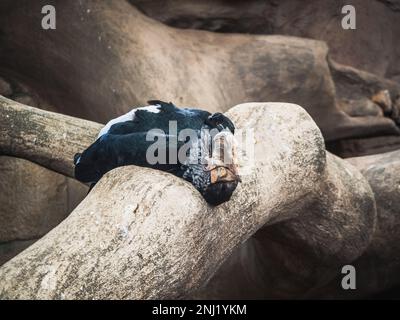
pixel 142 233
pixel 47 138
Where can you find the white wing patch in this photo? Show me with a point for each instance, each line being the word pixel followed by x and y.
pixel 151 108
pixel 127 117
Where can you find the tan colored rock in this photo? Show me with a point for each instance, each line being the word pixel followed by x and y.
pixel 5 88
pixel 396 110
pixel 354 91
pixel 361 51
pixel 142 60
pixel 132 237
pixel 26 99
pixel 370 47
pixel 360 107
pixel 382 98
pixel 378 269
pixel 135 58
pixel 365 146
pixel 34 199
pixel 380 265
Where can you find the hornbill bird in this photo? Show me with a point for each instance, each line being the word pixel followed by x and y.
pixel 208 160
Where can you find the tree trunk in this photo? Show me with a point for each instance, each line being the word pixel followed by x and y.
pixel 47 138
pixel 142 233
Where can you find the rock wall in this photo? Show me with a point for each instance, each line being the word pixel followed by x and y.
pixel 372 47
pixel 135 58
pixel 33 201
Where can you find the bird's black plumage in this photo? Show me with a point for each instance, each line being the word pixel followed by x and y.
pixel 125 143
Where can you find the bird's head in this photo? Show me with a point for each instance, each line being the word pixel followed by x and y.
pixel 217 176
pixel 223 168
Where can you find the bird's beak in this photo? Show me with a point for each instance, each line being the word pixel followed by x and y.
pixel 223 164
pixel 224 174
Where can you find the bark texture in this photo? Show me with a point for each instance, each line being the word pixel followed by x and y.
pixel 146 234
pixel 47 138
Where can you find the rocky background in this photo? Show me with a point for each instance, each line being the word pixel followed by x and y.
pixel 373 47
pixel 106 57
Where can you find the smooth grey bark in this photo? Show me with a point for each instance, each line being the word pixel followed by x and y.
pixel 144 234
pixel 47 138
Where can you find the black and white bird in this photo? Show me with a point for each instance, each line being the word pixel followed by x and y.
pixel 125 141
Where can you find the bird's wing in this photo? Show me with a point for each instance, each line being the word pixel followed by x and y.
pixel 164 106
pixel 137 120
